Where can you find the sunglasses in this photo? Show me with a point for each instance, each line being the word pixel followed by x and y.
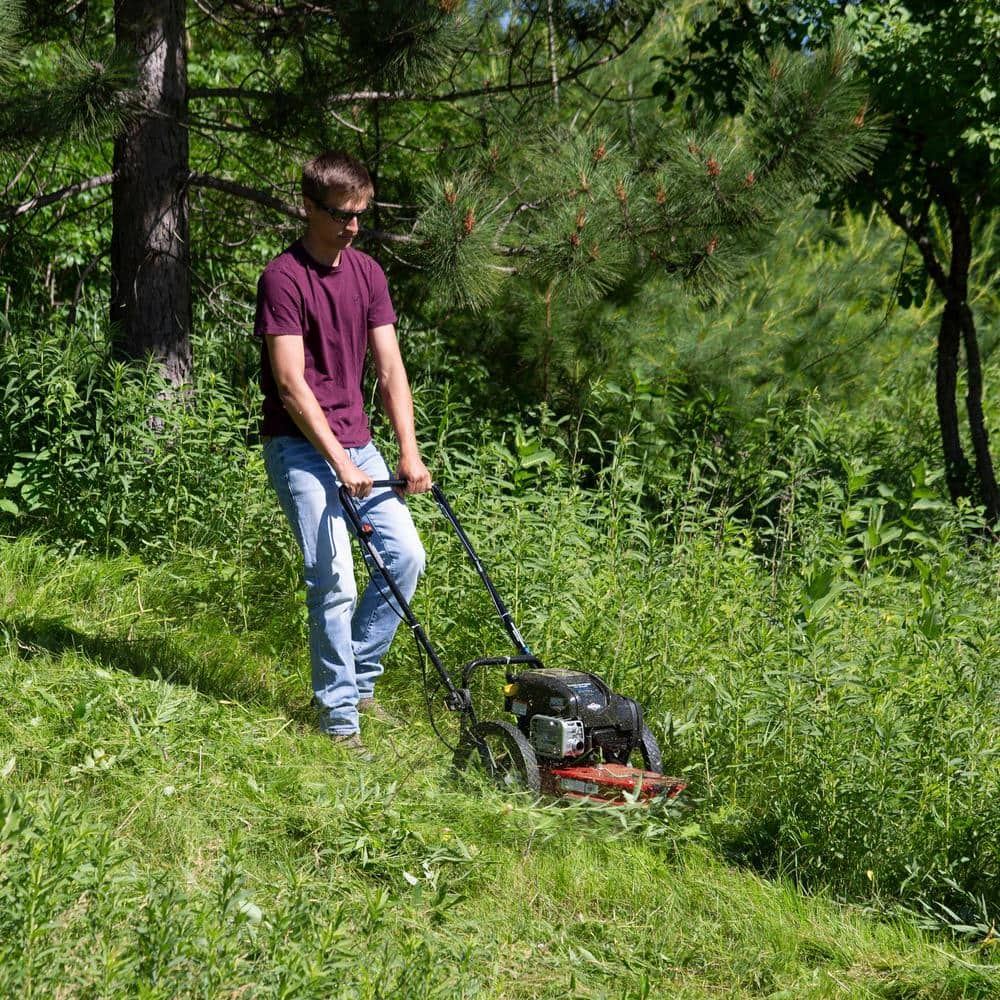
pixel 342 214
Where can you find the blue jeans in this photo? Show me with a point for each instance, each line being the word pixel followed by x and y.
pixel 347 637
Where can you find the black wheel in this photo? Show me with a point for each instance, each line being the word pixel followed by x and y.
pixel 650 750
pixel 504 754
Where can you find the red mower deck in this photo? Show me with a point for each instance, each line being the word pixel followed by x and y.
pixel 609 783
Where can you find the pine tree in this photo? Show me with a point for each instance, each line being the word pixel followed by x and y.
pixel 530 184
pixel 84 99
pixel 930 66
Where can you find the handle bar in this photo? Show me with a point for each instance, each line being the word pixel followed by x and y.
pixel 350 505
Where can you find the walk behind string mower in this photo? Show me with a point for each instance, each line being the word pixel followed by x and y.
pixel 572 736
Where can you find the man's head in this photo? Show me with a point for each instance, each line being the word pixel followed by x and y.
pixel 334 177
pixel 336 189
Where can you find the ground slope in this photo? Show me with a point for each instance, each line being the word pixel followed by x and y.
pixel 172 826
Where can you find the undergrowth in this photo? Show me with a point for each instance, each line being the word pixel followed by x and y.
pixel 163 838
pixel 808 623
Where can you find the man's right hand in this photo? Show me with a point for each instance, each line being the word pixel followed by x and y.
pixel 358 483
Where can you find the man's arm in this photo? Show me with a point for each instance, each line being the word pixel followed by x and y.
pixel 394 388
pixel 289 366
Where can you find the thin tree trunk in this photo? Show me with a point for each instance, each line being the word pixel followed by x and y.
pixel 957 328
pixel 960 315
pixel 150 285
pixel 989 494
pixel 957 470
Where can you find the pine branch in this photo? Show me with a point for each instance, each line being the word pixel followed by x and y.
pixel 416 97
pixel 13 211
pixel 260 197
pixel 89 100
pixel 263 11
pixel 247 193
pixel 11 15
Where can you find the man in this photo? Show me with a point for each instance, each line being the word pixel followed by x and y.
pixel 321 305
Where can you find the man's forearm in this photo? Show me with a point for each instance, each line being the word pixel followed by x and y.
pixel 398 402
pixel 302 406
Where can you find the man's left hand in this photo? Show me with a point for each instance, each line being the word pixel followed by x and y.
pixel 413 470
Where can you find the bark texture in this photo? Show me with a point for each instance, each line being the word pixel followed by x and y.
pixel 957 471
pixel 150 293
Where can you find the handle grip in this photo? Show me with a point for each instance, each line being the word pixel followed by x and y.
pixel 349 502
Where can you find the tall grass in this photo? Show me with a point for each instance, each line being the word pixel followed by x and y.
pixel 812 636
pixel 162 837
pixel 810 627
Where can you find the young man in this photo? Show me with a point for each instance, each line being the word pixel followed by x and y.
pixel 320 305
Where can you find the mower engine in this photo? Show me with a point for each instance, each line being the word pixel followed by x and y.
pixel 570 714
pixel 583 736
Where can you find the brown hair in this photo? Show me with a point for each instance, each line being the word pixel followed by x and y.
pixel 338 174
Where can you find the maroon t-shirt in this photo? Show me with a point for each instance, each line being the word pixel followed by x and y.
pixel 332 309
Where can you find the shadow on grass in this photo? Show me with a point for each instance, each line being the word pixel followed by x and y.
pixel 152 658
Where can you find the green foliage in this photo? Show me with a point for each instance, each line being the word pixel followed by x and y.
pixel 101 451
pixel 11 13
pixel 675 203
pixel 413 45
pixel 456 251
pixel 918 56
pixel 802 107
pixel 123 786
pixel 809 630
pixel 85 98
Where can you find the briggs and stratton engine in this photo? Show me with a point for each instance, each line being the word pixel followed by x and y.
pixel 571 714
pixel 557 738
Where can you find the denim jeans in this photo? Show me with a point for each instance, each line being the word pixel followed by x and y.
pixel 347 637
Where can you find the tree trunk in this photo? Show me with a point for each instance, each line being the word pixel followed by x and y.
pixel 989 494
pixel 150 284
pixel 957 328
pixel 957 471
pixel 960 324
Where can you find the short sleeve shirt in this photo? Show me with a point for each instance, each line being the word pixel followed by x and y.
pixel 331 309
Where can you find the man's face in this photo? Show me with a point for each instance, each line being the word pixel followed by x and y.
pixel 335 220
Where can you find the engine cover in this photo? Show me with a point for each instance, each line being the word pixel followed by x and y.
pixel 610 721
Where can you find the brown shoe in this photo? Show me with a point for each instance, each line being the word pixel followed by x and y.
pixel 352 742
pixel 371 708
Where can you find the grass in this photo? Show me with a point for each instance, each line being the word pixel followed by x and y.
pixel 810 628
pixel 174 827
pixel 771 571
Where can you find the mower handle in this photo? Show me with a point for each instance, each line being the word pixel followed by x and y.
pixel 350 505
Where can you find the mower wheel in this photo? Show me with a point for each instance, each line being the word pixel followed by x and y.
pixel 650 749
pixel 506 757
